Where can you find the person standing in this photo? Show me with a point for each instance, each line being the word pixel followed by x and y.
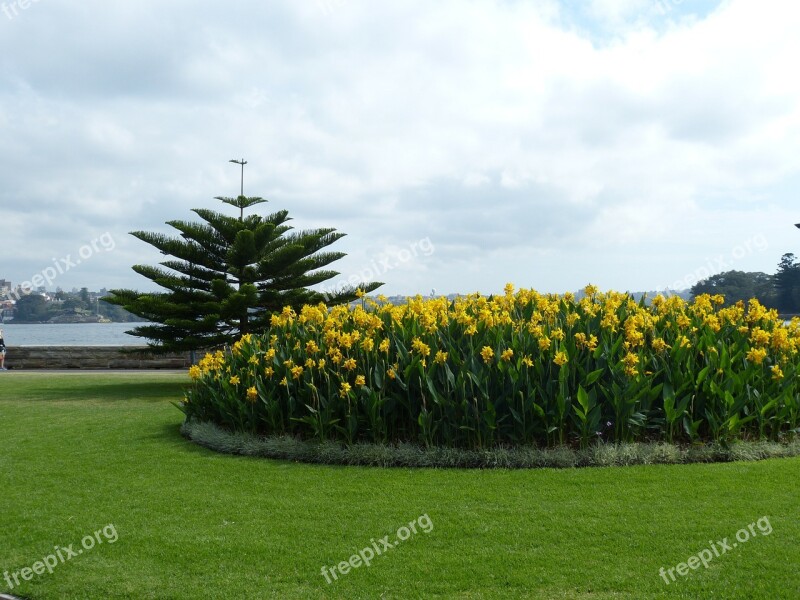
pixel 2 352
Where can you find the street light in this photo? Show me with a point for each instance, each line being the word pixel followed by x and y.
pixel 242 162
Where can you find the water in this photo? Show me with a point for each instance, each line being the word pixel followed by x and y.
pixel 71 334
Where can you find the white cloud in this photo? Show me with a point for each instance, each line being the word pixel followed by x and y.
pixel 534 144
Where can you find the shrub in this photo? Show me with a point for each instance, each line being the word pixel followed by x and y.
pixel 520 369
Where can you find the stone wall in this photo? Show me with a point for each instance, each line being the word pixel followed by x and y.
pixel 91 357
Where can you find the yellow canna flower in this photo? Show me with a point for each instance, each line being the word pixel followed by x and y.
pixel 560 358
pixel 350 364
pixel 360 381
pixel 419 346
pixel 630 360
pixel 344 390
pixel 441 357
pixel 487 354
pixel 526 360
pixel 507 355
pixel 235 380
pixel 195 372
pixel 252 394
pixel 659 345
pixel 756 355
pixel 384 346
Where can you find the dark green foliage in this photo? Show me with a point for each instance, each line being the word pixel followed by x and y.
pixel 739 285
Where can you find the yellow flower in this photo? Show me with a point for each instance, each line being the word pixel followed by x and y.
pixel 384 346
pixel 544 343
pixel 350 364
pixel 360 381
pixel 777 374
pixel 507 355
pixel 560 359
pixel 310 364
pixel 419 346
pixel 659 345
pixel 509 289
pixel 756 355
pixel 391 373
pixel 759 337
pixel 557 334
pixel 269 371
pixel 592 343
pixel 235 380
pixel 252 394
pixel 359 293
pixel 368 344
pixel 311 347
pixel 526 360
pixel 321 363
pixel 487 354
pixel 630 360
pixel 441 357
pixel 284 381
pixel 684 342
pixel 472 329
pixel 344 390
pixel 297 372
pixel 195 372
pixel 253 360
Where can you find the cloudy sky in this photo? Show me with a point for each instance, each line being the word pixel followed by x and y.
pixel 460 144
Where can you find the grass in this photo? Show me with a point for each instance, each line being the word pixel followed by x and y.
pixel 81 451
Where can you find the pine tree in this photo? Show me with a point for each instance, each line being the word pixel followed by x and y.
pixel 228 275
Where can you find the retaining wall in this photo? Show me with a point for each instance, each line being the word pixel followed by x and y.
pixel 91 357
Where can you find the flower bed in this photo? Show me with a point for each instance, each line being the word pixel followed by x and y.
pixel 518 369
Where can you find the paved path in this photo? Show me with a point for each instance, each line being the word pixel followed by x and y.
pixel 92 371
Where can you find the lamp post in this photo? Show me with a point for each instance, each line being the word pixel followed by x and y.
pixel 242 162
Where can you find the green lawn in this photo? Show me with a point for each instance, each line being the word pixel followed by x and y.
pixel 82 451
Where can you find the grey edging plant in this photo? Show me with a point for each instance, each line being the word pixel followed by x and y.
pixel 406 455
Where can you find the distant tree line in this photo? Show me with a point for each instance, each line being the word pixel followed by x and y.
pixel 34 308
pixel 780 291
